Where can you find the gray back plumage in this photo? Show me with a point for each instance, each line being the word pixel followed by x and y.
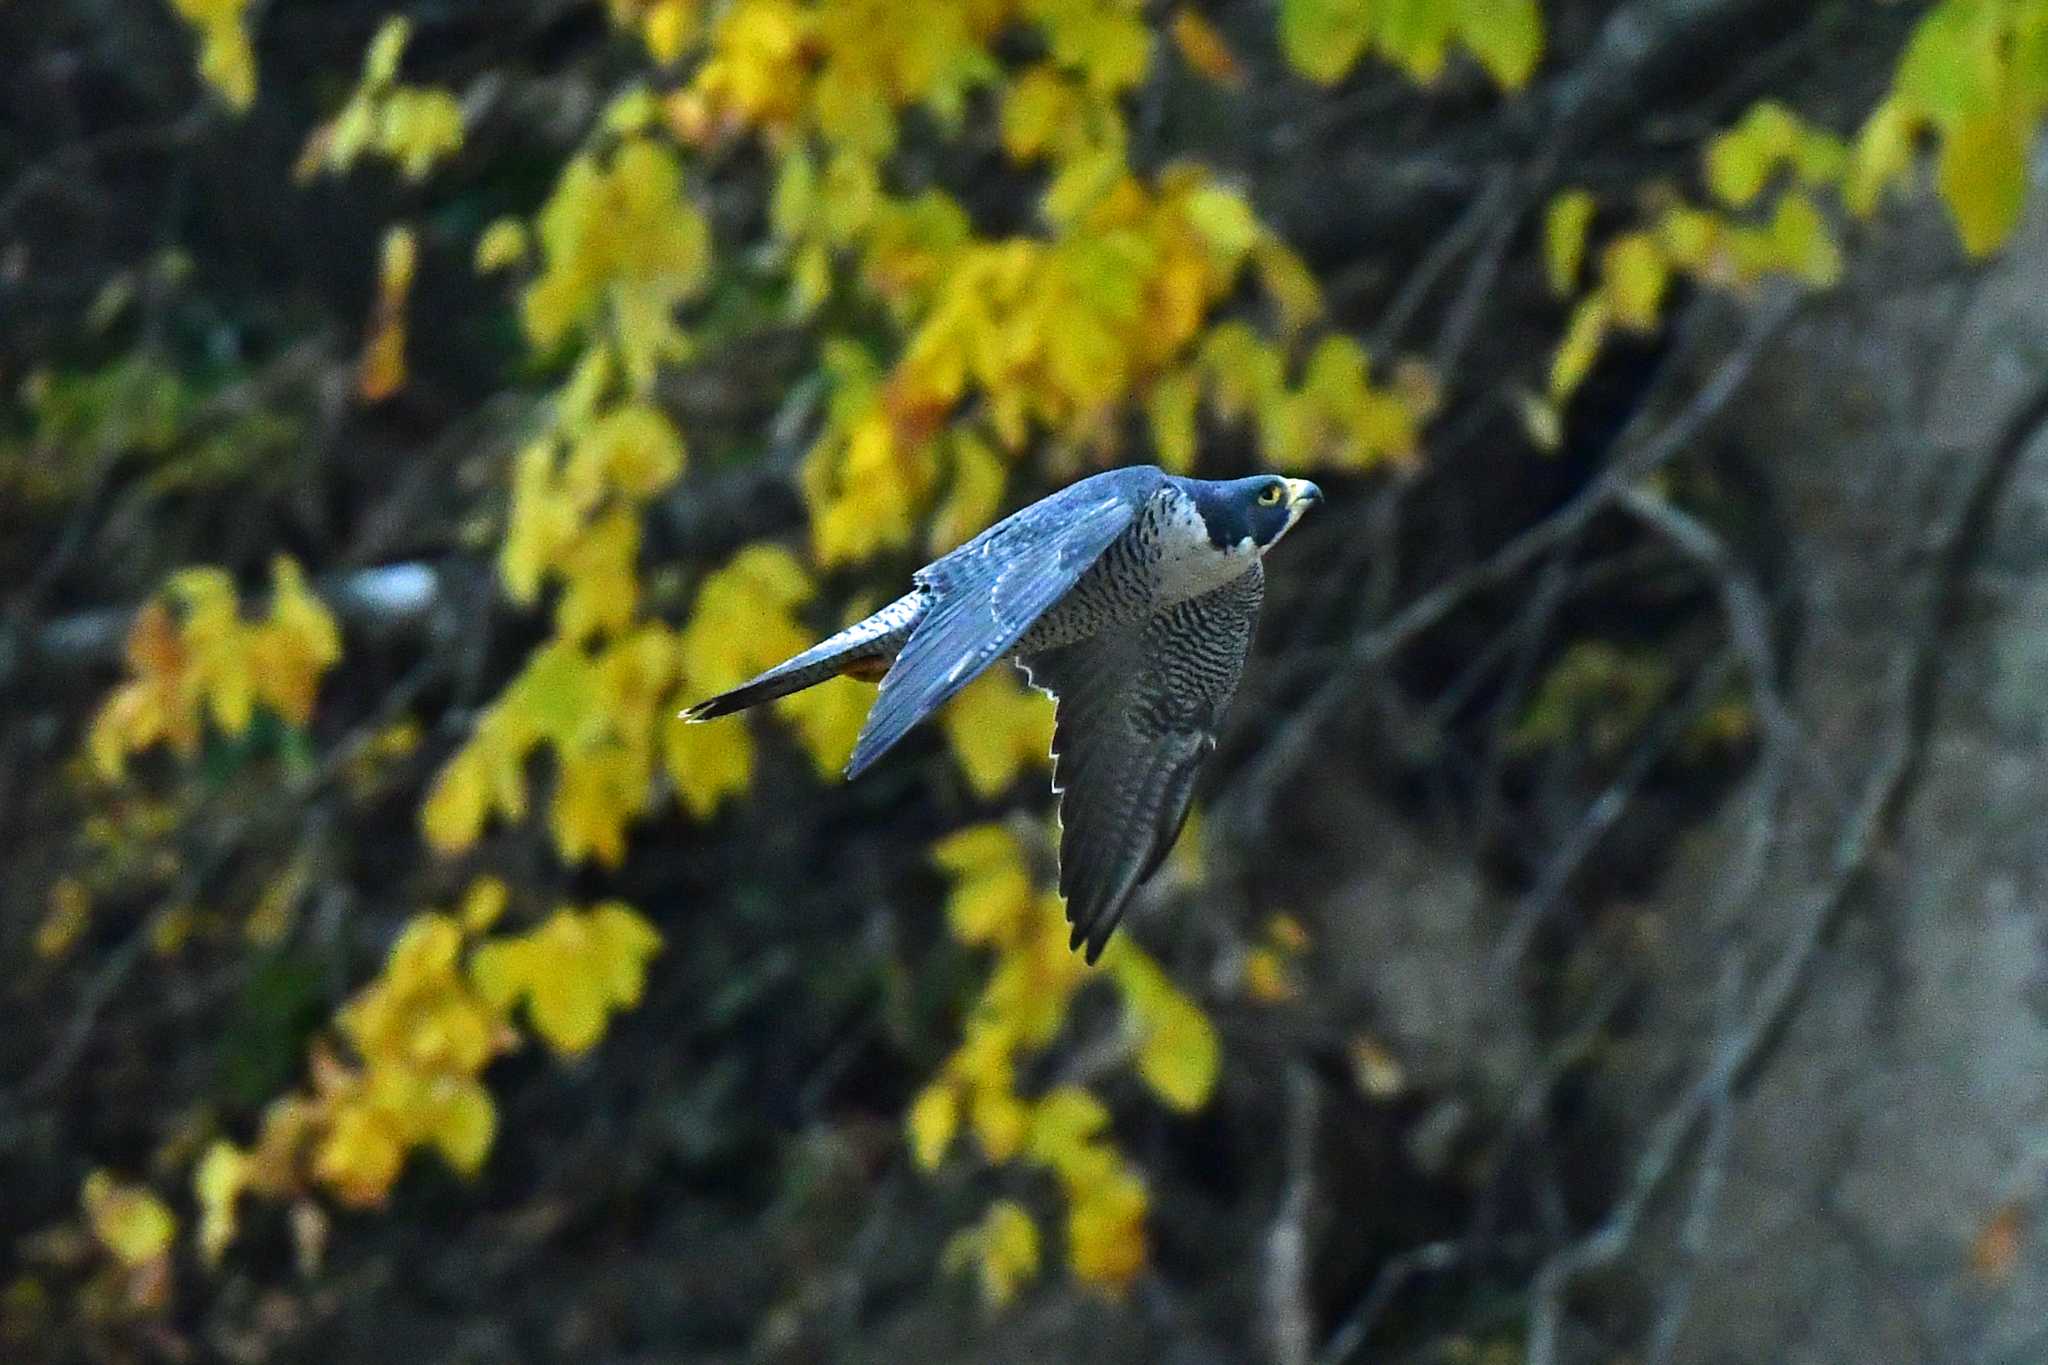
pixel 981 598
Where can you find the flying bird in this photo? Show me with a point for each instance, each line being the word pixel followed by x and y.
pixel 1130 597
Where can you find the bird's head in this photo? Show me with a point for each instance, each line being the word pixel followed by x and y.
pixel 1258 510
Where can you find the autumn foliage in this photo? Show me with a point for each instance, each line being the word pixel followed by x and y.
pixel 744 175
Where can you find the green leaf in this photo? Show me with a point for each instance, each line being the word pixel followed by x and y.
pixel 1506 36
pixel 1323 39
pixel 1983 179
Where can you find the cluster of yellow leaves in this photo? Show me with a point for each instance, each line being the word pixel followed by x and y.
pixel 608 714
pixel 227 62
pixel 411 126
pixel 1324 39
pixel 1785 233
pixel 1055 335
pixel 571 973
pixel 621 245
pixel 1974 76
pixel 1001 338
pixel 577 493
pixel 206 659
pixel 1331 415
pixel 419 1037
pixel 1020 1010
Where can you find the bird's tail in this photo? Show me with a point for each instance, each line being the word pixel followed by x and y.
pixel 864 649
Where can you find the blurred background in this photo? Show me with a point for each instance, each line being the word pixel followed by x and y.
pixel 1609 931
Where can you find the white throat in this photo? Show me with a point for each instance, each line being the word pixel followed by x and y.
pixel 1190 564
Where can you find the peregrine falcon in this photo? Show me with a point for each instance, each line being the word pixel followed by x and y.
pixel 1130 597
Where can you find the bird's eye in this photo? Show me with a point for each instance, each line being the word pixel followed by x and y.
pixel 1270 495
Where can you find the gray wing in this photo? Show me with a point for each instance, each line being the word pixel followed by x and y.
pixel 981 599
pixel 1138 714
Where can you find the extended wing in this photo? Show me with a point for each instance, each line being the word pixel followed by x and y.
pixel 1138 713
pixel 981 599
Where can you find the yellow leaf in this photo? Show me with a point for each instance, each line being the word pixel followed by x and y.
pixel 1820 158
pixel 1106 1242
pixel 1506 36
pixel 1414 34
pixel 1204 49
pixel 1882 155
pixel 1950 69
pixel 1225 222
pixel 1265 977
pixel 1564 239
pixel 482 904
pixel 1066 1121
pixel 1003 1248
pixel 1634 273
pixel 623 941
pixel 1689 237
pixel 1288 282
pixel 1110 47
pixel 1982 174
pixel 380 372
pixel 992 895
pixel 128 1220
pixel 600 570
pixel 1804 244
pixel 566 1000
pixel 386 50
pixel 997 727
pixel 934 1117
pixel 1178 1053
pixel 707 763
pixel 501 971
pixel 1001 1122
pixel 669 27
pixel 418 127
pixel 227 62
pixel 68 913
pixel 571 972
pixel 974 495
pixel 361 1155
pixel 1170 405
pixel 453 814
pixel 462 1122
pixel 502 246
pixel 1323 39
pixel 828 719
pixel 1581 346
pixel 217 1183
pixel 1736 167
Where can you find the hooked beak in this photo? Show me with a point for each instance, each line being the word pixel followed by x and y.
pixel 1301 493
